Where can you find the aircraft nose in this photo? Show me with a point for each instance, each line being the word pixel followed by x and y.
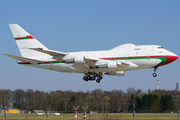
pixel 175 57
pixel 172 58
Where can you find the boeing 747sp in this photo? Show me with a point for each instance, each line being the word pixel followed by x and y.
pixel 93 64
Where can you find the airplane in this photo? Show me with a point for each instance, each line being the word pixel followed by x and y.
pixel 93 64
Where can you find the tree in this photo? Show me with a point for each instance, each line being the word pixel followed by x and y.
pixel 145 102
pixel 150 101
pixel 138 103
pixel 132 103
pixel 156 104
pixel 106 99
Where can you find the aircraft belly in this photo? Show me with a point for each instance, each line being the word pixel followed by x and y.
pixel 146 63
pixel 61 67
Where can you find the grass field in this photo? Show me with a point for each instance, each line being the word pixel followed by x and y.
pixel 95 116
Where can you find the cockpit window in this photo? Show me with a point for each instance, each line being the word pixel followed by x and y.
pixel 160 47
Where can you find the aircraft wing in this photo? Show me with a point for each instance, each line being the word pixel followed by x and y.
pixel 23 59
pixel 122 64
pixel 125 64
pixel 106 63
pixel 91 59
pixel 50 52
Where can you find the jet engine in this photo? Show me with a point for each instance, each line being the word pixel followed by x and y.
pixel 76 60
pixel 110 65
pixel 117 73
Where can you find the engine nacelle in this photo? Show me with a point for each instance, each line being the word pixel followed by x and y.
pixel 76 60
pixel 110 65
pixel 79 60
pixel 118 73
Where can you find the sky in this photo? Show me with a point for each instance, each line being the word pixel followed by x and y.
pixel 84 25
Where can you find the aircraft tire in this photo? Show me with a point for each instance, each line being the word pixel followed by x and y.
pixel 98 80
pixel 85 78
pixel 93 78
pixel 100 77
pixel 95 74
pixel 154 74
pixel 88 77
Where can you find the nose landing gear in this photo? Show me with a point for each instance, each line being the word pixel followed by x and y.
pixel 155 74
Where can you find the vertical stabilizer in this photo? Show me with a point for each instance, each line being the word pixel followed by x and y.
pixel 25 41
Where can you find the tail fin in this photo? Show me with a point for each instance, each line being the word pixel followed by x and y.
pixel 25 41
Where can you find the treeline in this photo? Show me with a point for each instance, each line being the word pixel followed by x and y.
pixel 96 100
pixel 151 103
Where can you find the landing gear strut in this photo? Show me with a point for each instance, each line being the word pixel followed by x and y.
pixel 92 76
pixel 155 74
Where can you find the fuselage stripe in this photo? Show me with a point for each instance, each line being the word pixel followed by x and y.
pixel 164 59
pixel 23 38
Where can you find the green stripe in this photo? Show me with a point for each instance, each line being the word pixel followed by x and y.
pixel 21 38
pixel 161 58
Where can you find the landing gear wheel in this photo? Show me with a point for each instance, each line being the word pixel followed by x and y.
pixel 98 80
pixel 154 74
pixel 95 74
pixel 93 78
pixel 100 77
pixel 88 78
pixel 85 78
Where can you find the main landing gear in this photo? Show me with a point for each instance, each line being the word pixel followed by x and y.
pixel 93 76
pixel 155 74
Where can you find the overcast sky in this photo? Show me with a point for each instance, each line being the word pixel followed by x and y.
pixel 82 25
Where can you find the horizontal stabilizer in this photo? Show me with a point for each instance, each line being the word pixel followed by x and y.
pixel 50 52
pixel 23 59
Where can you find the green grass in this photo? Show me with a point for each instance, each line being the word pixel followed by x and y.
pixel 95 116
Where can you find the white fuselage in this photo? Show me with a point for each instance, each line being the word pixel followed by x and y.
pixel 138 57
pixel 92 63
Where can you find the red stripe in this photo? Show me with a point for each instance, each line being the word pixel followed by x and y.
pixel 135 57
pixel 169 58
pixel 27 36
pixel 50 61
